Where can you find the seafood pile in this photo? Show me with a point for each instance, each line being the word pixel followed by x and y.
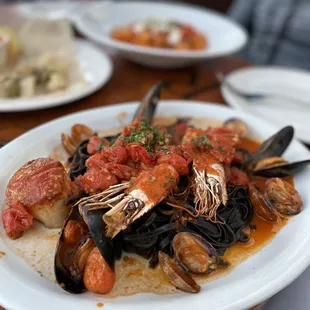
pixel 178 196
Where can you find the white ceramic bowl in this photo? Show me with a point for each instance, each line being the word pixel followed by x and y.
pixel 4 42
pixel 254 280
pixel 224 36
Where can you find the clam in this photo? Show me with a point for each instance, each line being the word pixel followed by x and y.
pixel 194 253
pixel 237 126
pixel 282 196
pixel 176 275
pixel 260 206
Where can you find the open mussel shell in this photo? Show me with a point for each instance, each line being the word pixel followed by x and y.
pixel 68 271
pixel 148 105
pixel 273 147
pixel 194 253
pixel 97 229
pixel 282 169
pixel 176 275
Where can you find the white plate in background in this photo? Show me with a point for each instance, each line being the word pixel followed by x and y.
pixel 224 36
pixel 253 281
pixel 96 68
pixel 276 80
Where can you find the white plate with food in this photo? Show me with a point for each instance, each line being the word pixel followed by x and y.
pixel 289 101
pixel 48 70
pixel 162 34
pixel 162 189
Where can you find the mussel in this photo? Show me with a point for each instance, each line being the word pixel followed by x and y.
pixel 278 167
pixel 148 105
pixel 73 248
pixel 267 160
pixel 282 196
pixel 82 236
pixel 274 146
pixel 237 126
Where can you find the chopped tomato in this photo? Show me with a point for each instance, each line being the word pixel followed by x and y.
pixel 187 31
pixel 238 177
pixel 96 161
pixel 178 132
pixel 139 154
pixel 93 145
pixel 96 180
pixel 122 172
pixel 177 161
pixel 223 142
pixel 115 154
pixel 16 220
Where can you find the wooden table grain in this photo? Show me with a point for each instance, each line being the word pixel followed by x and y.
pixel 129 82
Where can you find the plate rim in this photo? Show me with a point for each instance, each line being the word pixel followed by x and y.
pixel 161 52
pixel 63 99
pixel 290 274
pixel 226 93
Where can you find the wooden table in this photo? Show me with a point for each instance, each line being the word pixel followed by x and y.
pixel 129 82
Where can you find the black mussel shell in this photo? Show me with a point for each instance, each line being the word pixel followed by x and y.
pixel 68 280
pixel 274 146
pixel 282 170
pixel 96 226
pixel 148 105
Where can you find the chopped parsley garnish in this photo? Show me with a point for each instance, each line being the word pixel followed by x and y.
pixel 152 180
pixel 100 146
pixel 147 136
pixel 202 141
pixel 220 148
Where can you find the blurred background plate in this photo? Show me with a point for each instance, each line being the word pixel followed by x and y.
pixel 60 9
pixel 96 71
pixel 224 36
pixel 276 80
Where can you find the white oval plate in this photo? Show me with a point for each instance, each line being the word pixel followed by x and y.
pixel 276 80
pixel 253 281
pixel 224 36
pixel 96 68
